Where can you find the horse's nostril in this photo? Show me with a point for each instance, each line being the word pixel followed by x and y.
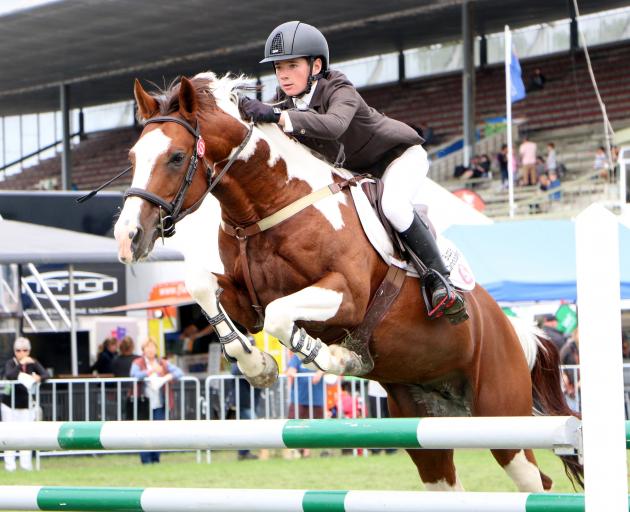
pixel 135 238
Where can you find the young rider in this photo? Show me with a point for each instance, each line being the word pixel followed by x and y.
pixel 321 108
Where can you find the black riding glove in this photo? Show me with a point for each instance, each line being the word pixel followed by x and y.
pixel 258 111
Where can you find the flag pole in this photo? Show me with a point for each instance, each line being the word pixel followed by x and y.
pixel 508 107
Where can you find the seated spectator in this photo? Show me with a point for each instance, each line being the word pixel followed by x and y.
pixel 485 164
pixel 554 182
pixel 537 81
pixel 476 169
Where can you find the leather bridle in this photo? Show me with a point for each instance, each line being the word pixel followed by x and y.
pixel 171 213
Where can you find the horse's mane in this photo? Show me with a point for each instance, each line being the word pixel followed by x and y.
pixel 213 91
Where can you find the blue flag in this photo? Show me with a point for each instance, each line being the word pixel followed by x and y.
pixel 517 88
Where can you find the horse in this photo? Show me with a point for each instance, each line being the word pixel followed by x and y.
pixel 314 273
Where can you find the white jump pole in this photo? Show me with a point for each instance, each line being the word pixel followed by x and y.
pixel 599 315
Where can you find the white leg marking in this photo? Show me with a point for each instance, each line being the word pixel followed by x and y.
pixel 443 486
pixel 525 475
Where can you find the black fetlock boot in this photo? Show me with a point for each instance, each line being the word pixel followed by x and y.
pixel 445 299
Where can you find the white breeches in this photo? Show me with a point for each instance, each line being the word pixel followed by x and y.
pixel 20 415
pixel 402 181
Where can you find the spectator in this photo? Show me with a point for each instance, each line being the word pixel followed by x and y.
pixel 549 325
pixel 305 391
pixel 537 81
pixel 16 406
pixel 527 153
pixel 502 160
pixel 551 163
pixel 570 355
pixel 554 182
pixel 377 405
pixel 107 352
pixel 155 372
pixel 600 164
pixel 121 365
pixel 246 409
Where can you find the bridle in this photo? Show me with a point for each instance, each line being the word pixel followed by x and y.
pixel 171 213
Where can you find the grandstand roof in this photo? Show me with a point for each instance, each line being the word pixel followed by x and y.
pixel 99 46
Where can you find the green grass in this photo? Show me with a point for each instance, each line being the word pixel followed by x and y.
pixel 477 470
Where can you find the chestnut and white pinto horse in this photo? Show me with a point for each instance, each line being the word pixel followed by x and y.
pixel 315 273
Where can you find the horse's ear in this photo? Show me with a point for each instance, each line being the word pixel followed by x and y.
pixel 187 98
pixel 147 104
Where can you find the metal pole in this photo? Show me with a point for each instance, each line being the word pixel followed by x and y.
pixel 624 159
pixel 468 80
pixel 73 323
pixel 508 107
pixel 66 164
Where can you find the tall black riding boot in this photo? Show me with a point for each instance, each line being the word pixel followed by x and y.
pixel 445 299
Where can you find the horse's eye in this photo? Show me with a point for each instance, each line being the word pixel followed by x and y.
pixel 177 158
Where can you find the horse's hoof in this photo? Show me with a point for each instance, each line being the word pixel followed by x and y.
pixel 269 374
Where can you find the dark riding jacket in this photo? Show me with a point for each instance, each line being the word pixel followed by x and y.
pixel 339 115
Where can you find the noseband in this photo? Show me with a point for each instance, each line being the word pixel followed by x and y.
pixel 173 210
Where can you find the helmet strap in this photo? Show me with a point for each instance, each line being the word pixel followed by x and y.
pixel 311 78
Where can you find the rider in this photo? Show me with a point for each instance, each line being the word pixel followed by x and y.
pixel 323 110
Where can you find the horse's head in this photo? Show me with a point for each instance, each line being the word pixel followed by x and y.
pixel 185 133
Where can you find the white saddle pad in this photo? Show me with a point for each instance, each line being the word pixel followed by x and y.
pixel 461 274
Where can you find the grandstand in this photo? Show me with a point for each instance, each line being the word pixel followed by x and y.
pixel 565 111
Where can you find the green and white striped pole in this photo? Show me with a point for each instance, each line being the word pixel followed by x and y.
pixel 560 433
pixel 278 500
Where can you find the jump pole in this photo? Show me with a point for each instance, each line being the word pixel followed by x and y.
pixel 601 364
pixel 278 500
pixel 560 433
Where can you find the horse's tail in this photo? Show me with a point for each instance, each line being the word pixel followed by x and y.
pixel 544 362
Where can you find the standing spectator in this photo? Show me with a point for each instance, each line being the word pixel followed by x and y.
pixel 570 355
pixel 155 372
pixel 121 365
pixel 551 162
pixel 502 159
pixel 15 406
pixel 527 153
pixel 600 164
pixel 107 352
pixel 549 325
pixel 246 409
pixel 305 391
pixel 377 404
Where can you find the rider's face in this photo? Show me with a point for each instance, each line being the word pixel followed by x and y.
pixel 293 74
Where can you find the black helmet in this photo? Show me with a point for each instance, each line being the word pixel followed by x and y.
pixel 296 39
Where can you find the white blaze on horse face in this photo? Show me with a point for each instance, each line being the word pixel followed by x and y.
pixel 146 151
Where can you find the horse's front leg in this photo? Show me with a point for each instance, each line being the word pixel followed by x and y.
pixel 260 369
pixel 328 299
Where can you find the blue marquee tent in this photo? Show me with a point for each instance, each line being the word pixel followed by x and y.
pixel 529 260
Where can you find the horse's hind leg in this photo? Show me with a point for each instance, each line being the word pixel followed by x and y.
pixel 435 467
pixel 259 368
pixel 521 467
